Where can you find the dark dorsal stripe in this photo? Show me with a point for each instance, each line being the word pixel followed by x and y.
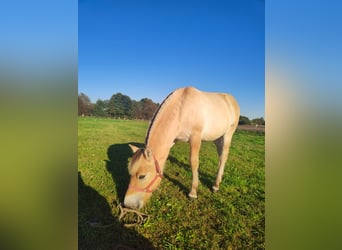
pixel 155 117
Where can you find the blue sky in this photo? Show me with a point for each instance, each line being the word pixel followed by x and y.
pixel 149 48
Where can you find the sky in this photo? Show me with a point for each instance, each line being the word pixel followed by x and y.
pixel 150 48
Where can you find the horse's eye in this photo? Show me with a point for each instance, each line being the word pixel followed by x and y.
pixel 140 177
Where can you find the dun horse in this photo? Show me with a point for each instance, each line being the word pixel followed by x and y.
pixel 189 115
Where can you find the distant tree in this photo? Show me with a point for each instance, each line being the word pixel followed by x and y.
pixel 101 108
pixel 120 106
pixel 259 121
pixel 144 109
pixel 244 120
pixel 148 108
pixel 85 107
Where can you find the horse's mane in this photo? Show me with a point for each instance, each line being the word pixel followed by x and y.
pixel 155 115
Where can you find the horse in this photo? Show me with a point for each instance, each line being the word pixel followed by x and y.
pixel 186 114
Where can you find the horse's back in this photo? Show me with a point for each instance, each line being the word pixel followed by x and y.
pixel 210 104
pixel 210 113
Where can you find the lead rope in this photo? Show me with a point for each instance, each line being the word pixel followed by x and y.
pixel 123 211
pixel 141 217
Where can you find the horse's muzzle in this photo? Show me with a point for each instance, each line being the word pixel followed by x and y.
pixel 134 201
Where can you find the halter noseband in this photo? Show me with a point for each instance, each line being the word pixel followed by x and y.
pixel 147 189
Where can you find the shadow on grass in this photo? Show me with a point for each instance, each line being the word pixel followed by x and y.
pixel 177 183
pixel 117 166
pixel 204 178
pixel 94 213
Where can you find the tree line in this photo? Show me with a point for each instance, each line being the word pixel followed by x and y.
pixel 245 121
pixel 118 106
pixel 123 107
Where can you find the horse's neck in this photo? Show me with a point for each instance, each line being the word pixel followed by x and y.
pixel 162 138
pixel 163 131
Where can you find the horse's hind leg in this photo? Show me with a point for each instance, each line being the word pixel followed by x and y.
pixel 222 146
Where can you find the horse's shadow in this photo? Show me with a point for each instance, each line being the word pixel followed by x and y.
pixel 116 165
pixel 204 178
pixel 98 228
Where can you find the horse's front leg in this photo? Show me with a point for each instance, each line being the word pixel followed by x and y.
pixel 195 145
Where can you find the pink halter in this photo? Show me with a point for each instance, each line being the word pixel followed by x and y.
pixel 147 189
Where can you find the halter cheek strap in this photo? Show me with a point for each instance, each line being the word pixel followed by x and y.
pixel 148 189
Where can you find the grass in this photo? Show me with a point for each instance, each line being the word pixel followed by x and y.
pixel 232 218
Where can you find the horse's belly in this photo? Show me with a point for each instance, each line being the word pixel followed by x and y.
pixel 183 136
pixel 213 132
pixel 210 131
pixel 207 134
pixel 211 136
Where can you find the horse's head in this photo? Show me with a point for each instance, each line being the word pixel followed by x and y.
pixel 145 177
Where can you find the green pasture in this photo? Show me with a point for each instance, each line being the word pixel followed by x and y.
pixel 232 218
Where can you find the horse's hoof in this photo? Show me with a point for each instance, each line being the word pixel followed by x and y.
pixel 192 196
pixel 215 189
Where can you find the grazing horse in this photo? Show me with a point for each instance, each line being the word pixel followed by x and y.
pixel 189 115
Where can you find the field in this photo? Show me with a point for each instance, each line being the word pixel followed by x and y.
pixel 232 218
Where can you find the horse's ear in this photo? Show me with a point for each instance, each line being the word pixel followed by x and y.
pixel 134 148
pixel 148 154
